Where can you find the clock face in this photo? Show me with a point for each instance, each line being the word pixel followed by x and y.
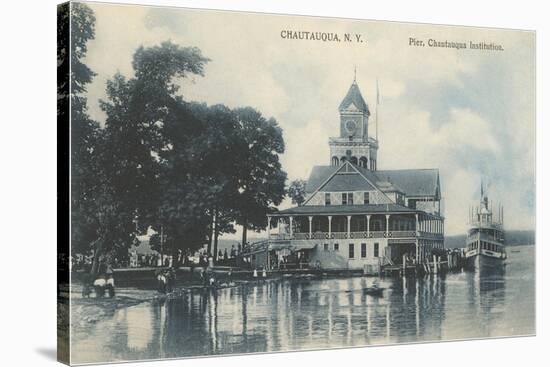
pixel 351 126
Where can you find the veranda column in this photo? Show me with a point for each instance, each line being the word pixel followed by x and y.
pixel 268 227
pixel 291 219
pixel 417 246
pixel 368 225
pixel 310 220
pixel 349 225
pixel 387 225
pixel 329 226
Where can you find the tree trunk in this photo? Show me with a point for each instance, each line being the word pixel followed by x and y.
pixel 97 253
pixel 175 258
pixel 245 225
pixel 216 234
pixel 210 234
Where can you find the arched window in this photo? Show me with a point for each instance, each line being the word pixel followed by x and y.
pixel 363 162
pixel 353 160
pixel 343 160
pixel 335 161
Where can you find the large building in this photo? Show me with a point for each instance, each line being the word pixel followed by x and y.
pixel 355 215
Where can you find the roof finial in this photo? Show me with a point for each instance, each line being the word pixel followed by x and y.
pixel 354 72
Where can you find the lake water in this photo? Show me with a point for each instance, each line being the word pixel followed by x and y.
pixel 298 314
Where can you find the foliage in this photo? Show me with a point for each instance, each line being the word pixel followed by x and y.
pixel 85 133
pixel 297 191
pixel 188 170
pixel 141 157
pixel 261 181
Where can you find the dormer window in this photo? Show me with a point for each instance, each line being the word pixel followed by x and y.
pixel 366 198
pixel 347 198
pixel 327 198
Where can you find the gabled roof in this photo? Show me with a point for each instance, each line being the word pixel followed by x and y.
pixel 411 182
pixel 318 175
pixel 347 182
pixel 414 182
pixel 354 96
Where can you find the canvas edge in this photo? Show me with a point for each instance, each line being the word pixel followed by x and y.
pixel 63 193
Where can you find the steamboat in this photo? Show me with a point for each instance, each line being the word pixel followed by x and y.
pixel 485 241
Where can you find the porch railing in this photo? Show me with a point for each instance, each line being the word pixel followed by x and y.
pixel 352 235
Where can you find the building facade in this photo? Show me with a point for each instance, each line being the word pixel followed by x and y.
pixel 355 215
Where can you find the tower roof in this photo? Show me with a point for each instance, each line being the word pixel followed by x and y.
pixel 354 96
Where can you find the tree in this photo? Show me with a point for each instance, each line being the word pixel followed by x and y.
pixel 261 181
pixel 186 193
pixel 219 162
pixel 141 161
pixel 85 133
pixel 297 191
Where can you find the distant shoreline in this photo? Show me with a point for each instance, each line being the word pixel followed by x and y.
pixel 513 238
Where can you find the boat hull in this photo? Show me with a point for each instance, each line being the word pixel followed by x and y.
pixel 484 263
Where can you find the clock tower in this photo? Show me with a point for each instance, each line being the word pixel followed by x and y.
pixel 354 144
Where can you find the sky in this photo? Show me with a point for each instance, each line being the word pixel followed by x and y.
pixel 469 113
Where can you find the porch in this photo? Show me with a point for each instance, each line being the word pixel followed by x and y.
pixel 326 227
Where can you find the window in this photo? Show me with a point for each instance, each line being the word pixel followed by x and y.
pixel 347 198
pixel 366 198
pixel 327 198
pixel 351 251
pixel 363 250
pixel 376 249
pixel 336 247
pixel 325 246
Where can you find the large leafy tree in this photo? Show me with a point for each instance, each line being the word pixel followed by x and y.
pixel 219 162
pixel 261 181
pixel 185 191
pixel 187 170
pixel 85 133
pixel 145 118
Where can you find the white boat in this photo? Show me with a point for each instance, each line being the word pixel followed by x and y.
pixel 485 241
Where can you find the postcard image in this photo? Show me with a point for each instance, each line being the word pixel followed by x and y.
pixel 253 183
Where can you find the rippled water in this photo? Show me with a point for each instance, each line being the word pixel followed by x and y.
pixel 302 314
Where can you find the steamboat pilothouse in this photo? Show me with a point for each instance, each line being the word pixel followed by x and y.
pixel 485 242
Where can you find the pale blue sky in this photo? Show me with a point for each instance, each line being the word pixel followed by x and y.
pixel 468 113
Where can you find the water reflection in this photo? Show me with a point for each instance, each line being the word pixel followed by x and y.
pixel 311 314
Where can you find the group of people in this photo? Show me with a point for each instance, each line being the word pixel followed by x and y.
pixel 151 260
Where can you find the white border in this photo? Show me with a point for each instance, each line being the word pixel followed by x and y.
pixel 28 146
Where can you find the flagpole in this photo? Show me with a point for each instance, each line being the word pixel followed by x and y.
pixel 377 102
